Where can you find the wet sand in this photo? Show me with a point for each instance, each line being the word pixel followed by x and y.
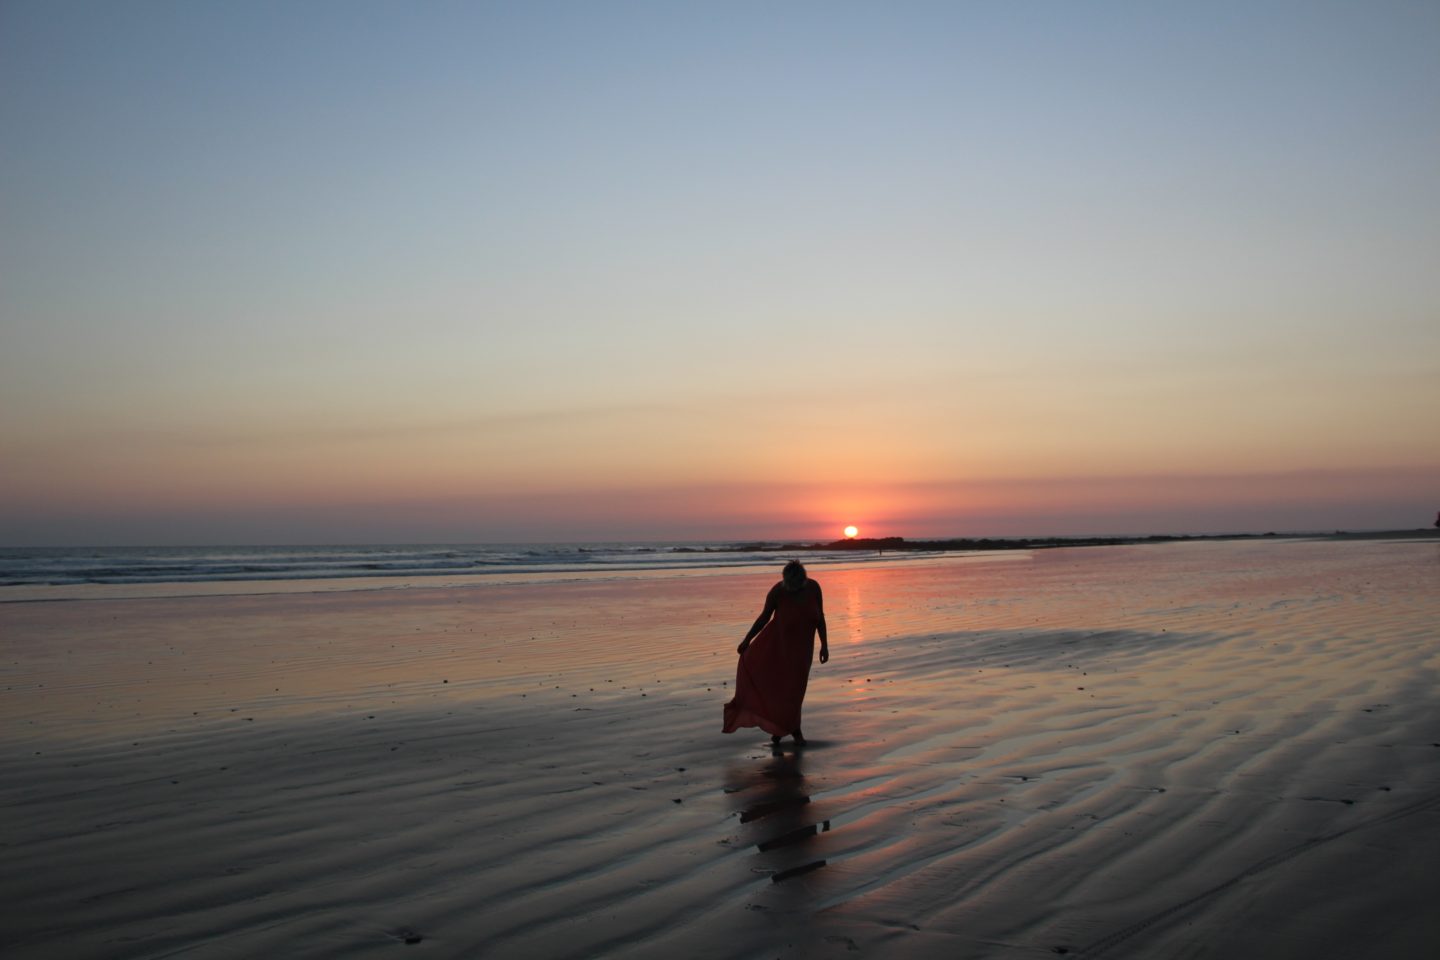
pixel 1178 750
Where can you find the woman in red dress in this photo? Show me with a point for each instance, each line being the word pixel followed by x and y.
pixel 775 658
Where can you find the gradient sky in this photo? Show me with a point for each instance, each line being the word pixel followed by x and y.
pixel 343 272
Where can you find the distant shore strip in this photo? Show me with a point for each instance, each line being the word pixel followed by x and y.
pixel 880 544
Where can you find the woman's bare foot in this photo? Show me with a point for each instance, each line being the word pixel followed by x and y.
pixel 799 737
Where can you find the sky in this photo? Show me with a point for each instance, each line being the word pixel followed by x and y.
pixel 342 272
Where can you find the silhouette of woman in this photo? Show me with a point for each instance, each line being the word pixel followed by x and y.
pixel 775 658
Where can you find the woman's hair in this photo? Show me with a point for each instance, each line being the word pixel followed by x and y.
pixel 794 573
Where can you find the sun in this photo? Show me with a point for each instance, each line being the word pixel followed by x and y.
pixel 851 532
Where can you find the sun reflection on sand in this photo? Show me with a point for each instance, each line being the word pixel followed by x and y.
pixel 854 611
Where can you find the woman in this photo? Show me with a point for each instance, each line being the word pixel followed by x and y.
pixel 775 658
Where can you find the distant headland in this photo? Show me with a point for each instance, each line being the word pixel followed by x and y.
pixel 898 544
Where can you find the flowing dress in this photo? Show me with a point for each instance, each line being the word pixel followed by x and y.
pixel 774 670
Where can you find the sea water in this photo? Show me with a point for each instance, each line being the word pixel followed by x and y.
pixel 36 566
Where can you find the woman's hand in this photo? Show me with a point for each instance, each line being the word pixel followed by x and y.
pixel 824 653
pixel 744 645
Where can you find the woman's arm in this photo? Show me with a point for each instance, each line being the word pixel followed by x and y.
pixel 760 622
pixel 820 625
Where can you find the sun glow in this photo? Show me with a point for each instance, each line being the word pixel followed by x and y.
pixel 852 532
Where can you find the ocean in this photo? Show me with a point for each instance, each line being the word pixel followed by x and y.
pixel 60 566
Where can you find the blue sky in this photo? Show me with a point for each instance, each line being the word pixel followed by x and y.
pixel 382 261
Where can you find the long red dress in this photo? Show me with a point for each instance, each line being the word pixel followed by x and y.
pixel 774 670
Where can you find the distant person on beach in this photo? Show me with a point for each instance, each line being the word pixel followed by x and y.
pixel 775 658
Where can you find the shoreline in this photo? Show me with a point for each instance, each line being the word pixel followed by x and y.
pixel 845 554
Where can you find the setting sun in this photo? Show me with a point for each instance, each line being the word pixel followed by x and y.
pixel 852 532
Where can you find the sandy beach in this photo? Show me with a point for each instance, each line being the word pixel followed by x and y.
pixel 1208 750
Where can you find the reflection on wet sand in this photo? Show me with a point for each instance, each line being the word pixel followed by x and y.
pixel 775 797
pixel 794 836
pixel 765 809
